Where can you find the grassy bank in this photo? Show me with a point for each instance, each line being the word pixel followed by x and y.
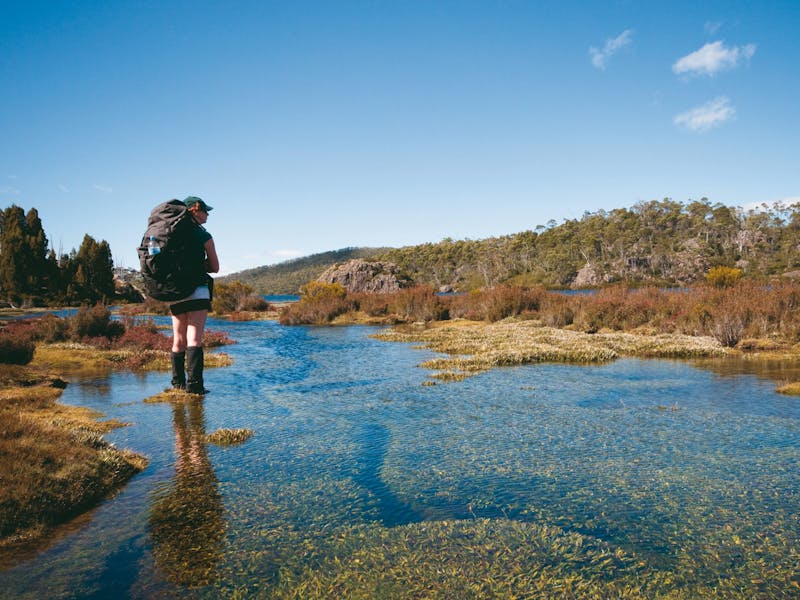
pixel 53 458
pixel 54 462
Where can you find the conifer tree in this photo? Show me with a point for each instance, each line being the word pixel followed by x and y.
pixel 94 273
pixel 35 257
pixel 12 254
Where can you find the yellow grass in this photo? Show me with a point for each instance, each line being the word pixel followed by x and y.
pixel 53 459
pixel 790 389
pixel 476 346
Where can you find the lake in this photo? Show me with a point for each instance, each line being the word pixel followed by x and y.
pixel 361 482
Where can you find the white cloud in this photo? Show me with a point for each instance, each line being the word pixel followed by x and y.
pixel 705 117
pixel 63 188
pixel 600 58
pixel 9 190
pixel 286 254
pixel 712 58
pixel 102 188
pixel 771 204
pixel 712 27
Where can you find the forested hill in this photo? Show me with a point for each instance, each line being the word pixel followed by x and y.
pixel 661 242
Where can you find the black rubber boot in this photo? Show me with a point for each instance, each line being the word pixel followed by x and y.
pixel 194 365
pixel 178 370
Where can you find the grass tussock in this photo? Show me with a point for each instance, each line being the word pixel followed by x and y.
pixel 790 389
pixel 54 460
pixel 229 437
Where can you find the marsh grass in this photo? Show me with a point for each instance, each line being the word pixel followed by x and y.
pixel 476 347
pixel 54 460
pixel 229 437
pixel 790 389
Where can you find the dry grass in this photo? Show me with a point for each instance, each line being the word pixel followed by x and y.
pixel 81 358
pixel 229 437
pixel 474 347
pixel 53 459
pixel 790 389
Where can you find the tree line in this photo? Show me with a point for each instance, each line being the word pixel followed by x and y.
pixel 32 274
pixel 662 242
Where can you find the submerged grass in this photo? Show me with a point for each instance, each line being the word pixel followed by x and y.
pixel 474 347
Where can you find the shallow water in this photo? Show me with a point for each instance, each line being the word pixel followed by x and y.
pixel 691 468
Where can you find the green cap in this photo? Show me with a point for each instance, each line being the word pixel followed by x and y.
pixel 192 200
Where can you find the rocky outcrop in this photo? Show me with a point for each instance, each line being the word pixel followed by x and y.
pixel 590 275
pixel 359 275
pixel 128 285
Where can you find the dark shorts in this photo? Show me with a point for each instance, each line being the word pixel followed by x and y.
pixel 185 306
pixel 200 299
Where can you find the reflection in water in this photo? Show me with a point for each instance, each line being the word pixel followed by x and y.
pixel 187 518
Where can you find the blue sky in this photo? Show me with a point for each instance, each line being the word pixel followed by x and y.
pixel 312 126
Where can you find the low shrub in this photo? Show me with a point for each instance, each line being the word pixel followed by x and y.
pixel 497 303
pixel 723 277
pixel 51 328
pixel 236 296
pixel 416 304
pixel 16 348
pixel 319 304
pixel 94 322
pixel 215 339
pixel 143 335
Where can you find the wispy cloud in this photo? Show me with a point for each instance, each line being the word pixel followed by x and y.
pixel 712 58
pixel 286 254
pixel 600 57
pixel 765 205
pixel 8 190
pixel 712 27
pixel 63 188
pixel 102 188
pixel 707 116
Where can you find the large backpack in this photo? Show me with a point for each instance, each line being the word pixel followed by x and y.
pixel 169 274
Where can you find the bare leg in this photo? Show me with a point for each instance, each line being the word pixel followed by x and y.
pixel 180 324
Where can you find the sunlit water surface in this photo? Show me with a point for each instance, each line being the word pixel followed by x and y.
pixel 691 469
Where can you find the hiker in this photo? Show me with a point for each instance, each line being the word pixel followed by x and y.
pixel 189 314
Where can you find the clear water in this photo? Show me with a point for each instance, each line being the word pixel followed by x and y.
pixel 690 467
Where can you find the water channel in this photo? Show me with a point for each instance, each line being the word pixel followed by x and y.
pixel 358 475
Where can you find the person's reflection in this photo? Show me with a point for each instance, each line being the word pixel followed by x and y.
pixel 187 518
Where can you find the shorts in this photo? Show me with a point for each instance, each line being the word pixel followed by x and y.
pixel 199 299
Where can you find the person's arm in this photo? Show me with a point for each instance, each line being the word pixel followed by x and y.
pixel 212 261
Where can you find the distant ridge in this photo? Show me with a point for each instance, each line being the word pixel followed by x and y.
pixel 287 277
pixel 659 242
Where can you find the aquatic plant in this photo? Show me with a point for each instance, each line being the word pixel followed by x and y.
pixel 229 437
pixel 475 347
pixel 790 389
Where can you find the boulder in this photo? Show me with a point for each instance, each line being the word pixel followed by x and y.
pixel 359 275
